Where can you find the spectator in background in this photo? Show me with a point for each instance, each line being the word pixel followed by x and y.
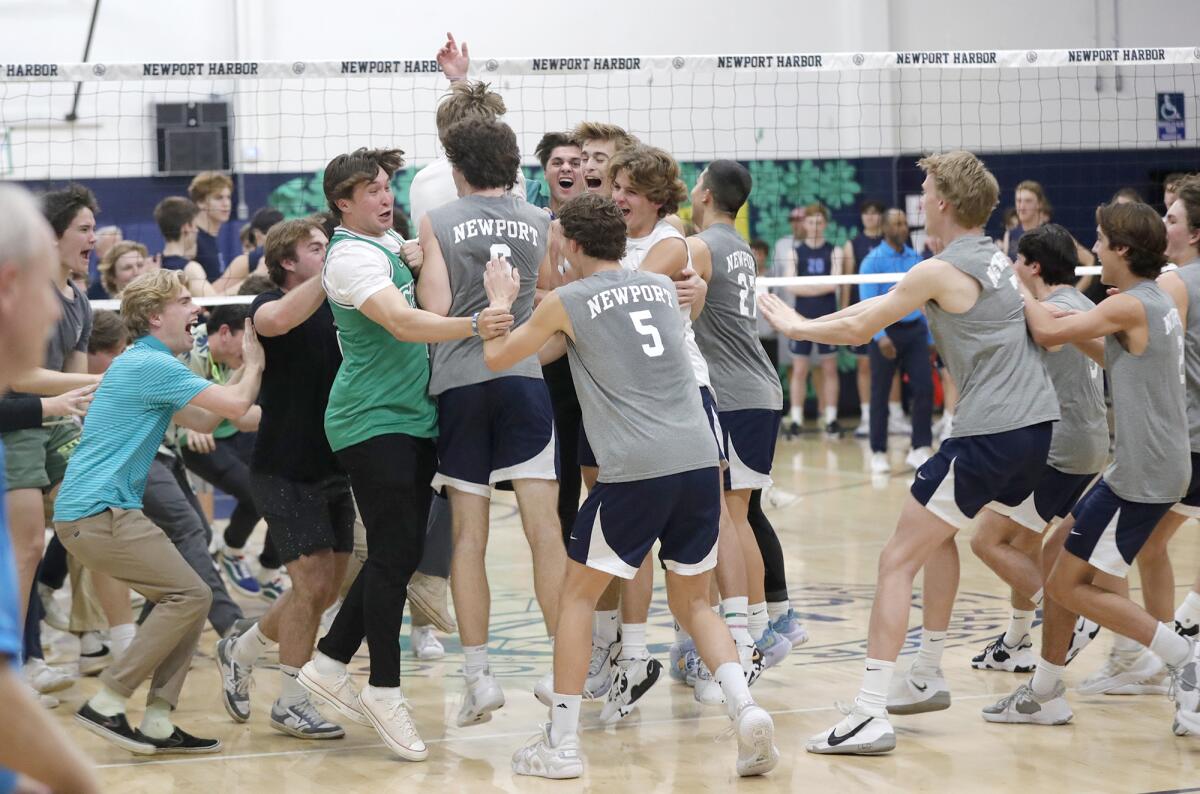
pixel 124 262
pixel 1030 199
pixel 176 219
pixel 855 251
pixel 106 238
pixel 766 334
pixel 252 260
pixel 781 259
pixel 212 193
pixel 247 241
pixel 1170 183
pixel 30 743
pixel 1127 195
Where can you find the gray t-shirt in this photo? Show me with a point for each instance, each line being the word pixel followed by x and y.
pixel 73 329
pixel 1001 380
pixel 1150 456
pixel 1190 274
pixel 1080 441
pixel 727 331
pixel 639 397
pixel 470 232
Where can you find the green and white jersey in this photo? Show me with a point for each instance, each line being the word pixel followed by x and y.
pixel 383 384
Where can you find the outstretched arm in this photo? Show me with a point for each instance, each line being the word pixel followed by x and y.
pixel 499 353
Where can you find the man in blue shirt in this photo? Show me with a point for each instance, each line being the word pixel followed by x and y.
pixel 904 343
pixel 98 514
pixel 30 742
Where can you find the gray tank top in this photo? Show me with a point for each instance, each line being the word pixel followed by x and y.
pixel 640 402
pixel 470 231
pixel 1080 441
pixel 1001 380
pixel 727 329
pixel 1190 273
pixel 1150 456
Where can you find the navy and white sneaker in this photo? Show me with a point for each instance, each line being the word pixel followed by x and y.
pixel 237 572
pixel 1085 631
pixel 600 667
pixel 859 733
pixel 303 721
pixel 235 681
pixel 631 679
pixel 1000 656
pixel 272 589
pixel 1190 630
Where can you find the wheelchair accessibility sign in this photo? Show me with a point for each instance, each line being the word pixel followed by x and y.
pixel 1171 125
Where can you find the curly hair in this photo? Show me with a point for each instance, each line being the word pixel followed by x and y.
pixel 596 224
pixel 206 183
pixel 468 99
pixel 1136 226
pixel 965 183
pixel 653 173
pixel 148 294
pixel 347 171
pixel 61 206
pixel 108 265
pixel 485 152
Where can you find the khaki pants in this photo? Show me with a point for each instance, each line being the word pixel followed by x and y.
pixel 86 614
pixel 125 545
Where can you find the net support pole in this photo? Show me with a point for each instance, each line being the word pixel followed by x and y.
pixel 87 50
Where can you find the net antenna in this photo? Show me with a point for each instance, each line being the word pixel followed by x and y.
pixel 73 115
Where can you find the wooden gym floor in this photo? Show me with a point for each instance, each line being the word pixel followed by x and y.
pixel 831 536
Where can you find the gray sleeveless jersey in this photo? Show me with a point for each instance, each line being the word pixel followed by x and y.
pixel 1002 382
pixel 1150 456
pixel 640 402
pixel 470 231
pixel 1190 273
pixel 727 329
pixel 1080 442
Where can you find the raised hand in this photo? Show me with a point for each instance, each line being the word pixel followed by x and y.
pixel 454 62
pixel 502 282
pixel 783 318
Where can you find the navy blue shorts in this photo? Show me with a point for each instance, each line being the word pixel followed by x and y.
pixel 1110 531
pixel 588 458
pixel 860 350
pixel 619 523
pixel 1189 505
pixel 1053 497
pixel 498 430
pixel 804 348
pixel 750 436
pixel 971 472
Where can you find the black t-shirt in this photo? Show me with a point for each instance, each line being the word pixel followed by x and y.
pixel 301 367
pixel 208 254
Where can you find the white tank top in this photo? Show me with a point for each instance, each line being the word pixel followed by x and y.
pixel 636 249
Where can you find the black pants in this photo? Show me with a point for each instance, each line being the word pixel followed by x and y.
pixel 439 540
pixel 912 356
pixel 390 477
pixel 774 572
pixel 228 468
pixel 567 420
pixel 53 570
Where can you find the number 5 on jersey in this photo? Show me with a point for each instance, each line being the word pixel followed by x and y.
pixel 641 321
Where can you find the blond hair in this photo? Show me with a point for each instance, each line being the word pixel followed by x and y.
pixel 653 173
pixel 108 264
pixel 600 131
pixel 965 183
pixel 206 183
pixel 468 100
pixel 148 294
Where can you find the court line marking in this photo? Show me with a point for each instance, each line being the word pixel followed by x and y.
pixel 216 757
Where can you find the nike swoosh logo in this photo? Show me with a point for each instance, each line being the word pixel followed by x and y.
pixel 874 669
pixel 920 687
pixel 834 740
pixel 572 537
pixel 920 476
pixel 1074 532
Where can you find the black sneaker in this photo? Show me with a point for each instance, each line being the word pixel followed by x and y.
pixel 832 429
pixel 114 729
pixel 181 742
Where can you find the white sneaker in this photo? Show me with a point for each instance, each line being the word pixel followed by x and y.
pixel 918 691
pixel 482 696
pixel 1085 631
pixel 599 675
pixel 1025 706
pixel 425 644
pixel 879 463
pixel 631 679
pixel 999 656
pixel 774 498
pixel 752 661
pixel 337 691
pixel 52 612
pixel 391 720
pixel 707 691
pixel 303 720
pixel 1126 673
pixel 943 428
pixel 864 428
pixel 46 679
pixel 859 733
pixel 757 753
pixel 916 457
pixel 1185 691
pixel 898 425
pixel 540 758
pixel 543 690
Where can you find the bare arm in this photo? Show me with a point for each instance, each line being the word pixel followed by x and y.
pixel 278 317
pixel 232 400
pixel 549 318
pixel 850 267
pixel 197 281
pixel 702 266
pixel 553 350
pixel 1119 313
pixel 390 308
pixel 233 276
pixel 433 288
pixel 33 744
pixel 50 383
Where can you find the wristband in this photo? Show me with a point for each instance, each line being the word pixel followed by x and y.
pixel 475 324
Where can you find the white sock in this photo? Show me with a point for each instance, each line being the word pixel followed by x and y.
pixel 932 645
pixel 736 611
pixel 1018 626
pixel 605 624
pixel 797 414
pixel 830 414
pixel 732 679
pixel 1046 677
pixel 120 636
pixel 681 635
pixel 386 694
pixel 1170 647
pixel 564 717
pixel 90 644
pixel 895 411
pixel 107 703
pixel 1188 614
pixel 291 690
pixel 877 680
pixel 327 665
pixel 476 658
pixel 777 609
pixel 156 722
pixel 250 646
pixel 1126 645
pixel 864 410
pixel 1038 598
pixel 633 641
pixel 757 621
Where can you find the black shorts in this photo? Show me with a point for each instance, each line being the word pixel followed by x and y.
pixel 305 517
pixel 1189 505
